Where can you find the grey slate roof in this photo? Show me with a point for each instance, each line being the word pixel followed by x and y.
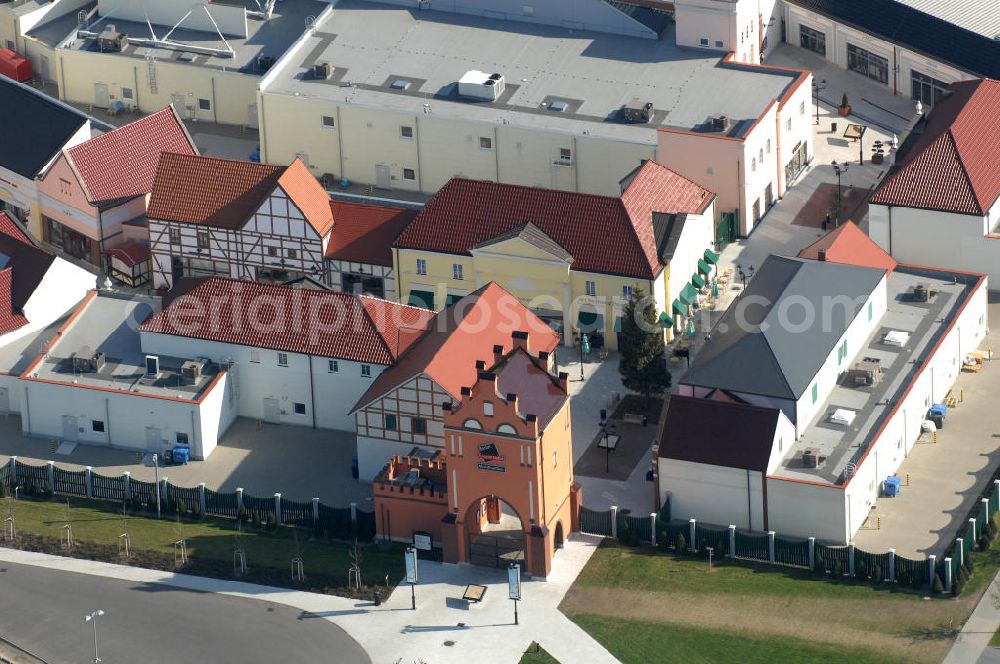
pixel 34 127
pixel 667 229
pixel 751 351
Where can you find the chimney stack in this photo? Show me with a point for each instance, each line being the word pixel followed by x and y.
pixel 564 381
pixel 497 353
pixel 520 340
pixel 822 255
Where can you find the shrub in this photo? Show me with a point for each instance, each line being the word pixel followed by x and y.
pixel 917 580
pixel 958 584
pixel 624 532
pixel 196 510
pixel 838 570
pixel 861 571
pixel 663 540
pixel 844 103
pixel 938 586
pixel 820 566
pixel 681 544
pixel 877 575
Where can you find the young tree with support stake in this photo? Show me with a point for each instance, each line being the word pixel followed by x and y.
pixel 643 364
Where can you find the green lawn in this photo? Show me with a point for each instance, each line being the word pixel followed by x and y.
pixel 211 540
pixel 647 569
pixel 643 642
pixel 535 654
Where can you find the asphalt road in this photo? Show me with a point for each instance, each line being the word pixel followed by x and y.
pixel 43 611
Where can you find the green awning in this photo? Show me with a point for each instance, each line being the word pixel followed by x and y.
pixel 688 294
pixel 590 321
pixel 704 267
pixel 666 320
pixel 452 299
pixel 421 298
pixel 711 257
pixel 680 309
pixel 698 280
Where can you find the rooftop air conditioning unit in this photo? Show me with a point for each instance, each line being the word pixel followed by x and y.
pixel 920 293
pixel 85 361
pixel 191 371
pixel 636 113
pixel 111 40
pixel 720 123
pixel 479 85
pixel 265 62
pixel 810 459
pixel 323 71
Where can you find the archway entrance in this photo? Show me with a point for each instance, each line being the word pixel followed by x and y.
pixel 495 533
pixel 558 540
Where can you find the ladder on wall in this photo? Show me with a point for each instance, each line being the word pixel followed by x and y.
pixel 151 72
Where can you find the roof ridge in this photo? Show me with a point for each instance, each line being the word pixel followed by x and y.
pixel 565 192
pixel 251 164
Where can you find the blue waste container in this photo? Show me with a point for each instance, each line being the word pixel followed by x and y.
pixel 938 409
pixel 891 485
pixel 354 467
pixel 181 454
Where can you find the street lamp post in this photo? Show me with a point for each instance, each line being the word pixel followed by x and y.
pixel 817 86
pixel 92 617
pixel 584 348
pixel 744 274
pixel 840 169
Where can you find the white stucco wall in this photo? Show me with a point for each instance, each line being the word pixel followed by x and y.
pixel 335 393
pixel 939 239
pixel 712 494
pixel 805 509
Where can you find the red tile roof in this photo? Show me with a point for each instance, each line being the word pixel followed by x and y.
pixel 284 318
pixel 952 166
pixel 602 233
pixel 120 164
pixel 365 233
pixel 460 335
pixel 848 244
pixel 28 262
pixel 225 193
pixel 10 319
pixel 130 253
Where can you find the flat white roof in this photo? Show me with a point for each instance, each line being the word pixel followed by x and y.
pixel 370 45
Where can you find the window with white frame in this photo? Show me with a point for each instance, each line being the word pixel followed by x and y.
pixel 204 241
pixel 282 359
pixel 703 41
pixel 487 408
pixel 332 366
pixel 627 292
pixel 421 266
pixel 406 131
pixel 175 235
pixel 802 108
pixel 254 356
pixel 768 146
pixel 127 93
pixel 204 105
pixel 753 165
pixel 591 288
pixel 409 174
pixel 366 371
pixel 456 271
pixel 485 143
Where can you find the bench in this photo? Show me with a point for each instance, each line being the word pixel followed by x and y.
pixel 474 593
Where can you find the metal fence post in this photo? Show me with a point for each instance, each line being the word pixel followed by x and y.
pixel 812 554
pixel 985 502
pixel 975 535
pixel 932 569
pixel 614 522
pixel 693 523
pixel 52 476
pixel 90 481
pixel 239 498
pixel 996 492
pixel 960 547
pixel 164 492
pixel 732 541
pixel 850 559
pixel 652 528
pixel 770 546
pixel 315 511
pixel 354 513
pixel 127 485
pixel 892 564
pixel 277 508
pixel 13 475
pixel 201 498
pixel 947 574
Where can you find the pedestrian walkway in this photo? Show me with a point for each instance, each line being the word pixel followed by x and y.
pixel 442 629
pixel 973 643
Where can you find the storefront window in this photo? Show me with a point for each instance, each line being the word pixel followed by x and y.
pixel 73 243
pixel 928 91
pixel 867 64
pixel 812 40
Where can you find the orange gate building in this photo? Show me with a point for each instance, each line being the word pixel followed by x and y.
pixel 503 489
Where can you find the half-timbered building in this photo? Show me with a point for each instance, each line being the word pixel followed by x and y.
pixel 402 408
pixel 239 219
pixel 359 256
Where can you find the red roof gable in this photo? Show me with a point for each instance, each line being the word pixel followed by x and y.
pixel 13 230
pixel 225 193
pixel 951 166
pixel 460 335
pixel 848 244
pixel 10 320
pixel 365 233
pixel 601 233
pixel 284 318
pixel 121 164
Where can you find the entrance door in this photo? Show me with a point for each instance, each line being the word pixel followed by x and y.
pixel 768 196
pixel 383 177
pixel 252 116
pixel 154 439
pixel 70 428
pixel 272 411
pixel 102 99
pixel 756 211
pixel 493 509
pixel 496 550
pixel 4 401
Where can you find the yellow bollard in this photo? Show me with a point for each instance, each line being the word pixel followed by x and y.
pixel 52 446
pixel 878 523
pixel 907 479
pixel 961 396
